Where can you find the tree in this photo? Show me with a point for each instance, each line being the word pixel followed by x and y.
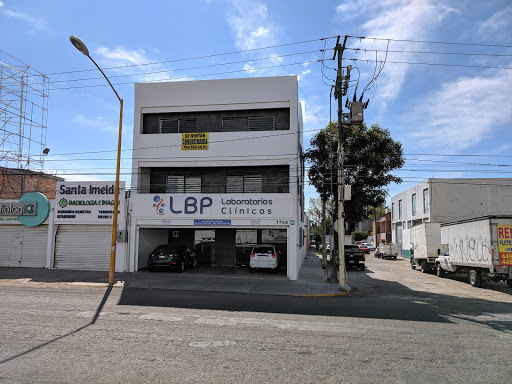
pixel 314 211
pixel 370 155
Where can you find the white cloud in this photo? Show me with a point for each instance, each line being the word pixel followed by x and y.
pixel 97 123
pixel 393 19
pixel 462 112
pixel 498 22
pixel 120 56
pixel 35 22
pixel 249 23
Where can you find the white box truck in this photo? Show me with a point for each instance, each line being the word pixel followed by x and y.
pixel 426 245
pixel 480 248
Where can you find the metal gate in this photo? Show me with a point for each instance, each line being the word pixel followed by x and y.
pixel 83 247
pixel 23 246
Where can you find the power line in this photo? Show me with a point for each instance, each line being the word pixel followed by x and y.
pixel 429 53
pixel 190 68
pixel 435 64
pixel 199 57
pixel 192 76
pixel 432 42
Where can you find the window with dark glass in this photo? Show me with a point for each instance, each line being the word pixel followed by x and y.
pixel 243 184
pixel 183 184
pixel 177 125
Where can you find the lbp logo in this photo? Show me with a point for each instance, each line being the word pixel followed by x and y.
pixel 159 205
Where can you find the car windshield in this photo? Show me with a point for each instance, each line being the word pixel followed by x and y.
pixel 167 248
pixel 263 249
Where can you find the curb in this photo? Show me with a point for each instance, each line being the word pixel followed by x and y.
pixel 326 294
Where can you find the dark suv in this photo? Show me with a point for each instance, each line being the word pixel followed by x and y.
pixel 174 256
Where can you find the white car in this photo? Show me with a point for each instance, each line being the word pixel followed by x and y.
pixel 264 256
pixel 370 246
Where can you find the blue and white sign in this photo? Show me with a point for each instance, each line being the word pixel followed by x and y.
pixel 220 207
pixel 212 222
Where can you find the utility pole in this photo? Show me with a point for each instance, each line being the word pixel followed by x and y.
pixel 340 90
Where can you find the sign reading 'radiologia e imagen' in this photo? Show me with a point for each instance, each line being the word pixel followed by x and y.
pixel 87 202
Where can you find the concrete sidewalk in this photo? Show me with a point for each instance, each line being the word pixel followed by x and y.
pixel 203 279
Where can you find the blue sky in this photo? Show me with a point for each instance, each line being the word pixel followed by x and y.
pixel 453 116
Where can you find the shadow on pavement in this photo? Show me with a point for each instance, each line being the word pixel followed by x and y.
pixel 93 320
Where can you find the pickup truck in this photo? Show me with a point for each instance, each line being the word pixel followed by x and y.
pixel 354 257
pixel 387 250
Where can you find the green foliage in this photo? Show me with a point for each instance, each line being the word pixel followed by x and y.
pixel 358 236
pixel 314 212
pixel 370 155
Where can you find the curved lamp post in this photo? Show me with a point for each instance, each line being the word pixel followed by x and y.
pixel 82 48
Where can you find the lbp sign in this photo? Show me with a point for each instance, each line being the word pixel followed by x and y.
pixel 31 210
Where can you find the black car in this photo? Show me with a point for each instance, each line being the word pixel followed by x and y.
pixel 174 256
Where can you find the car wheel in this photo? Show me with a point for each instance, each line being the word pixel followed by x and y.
pixel 362 267
pixel 275 270
pixel 440 271
pixel 252 270
pixel 194 263
pixel 181 268
pixel 509 283
pixel 151 269
pixel 474 278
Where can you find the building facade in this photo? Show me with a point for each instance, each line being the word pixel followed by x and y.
pixel 218 166
pixel 446 200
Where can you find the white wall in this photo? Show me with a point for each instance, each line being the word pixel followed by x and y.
pixel 460 199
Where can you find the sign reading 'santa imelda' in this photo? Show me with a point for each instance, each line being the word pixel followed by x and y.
pixel 194 141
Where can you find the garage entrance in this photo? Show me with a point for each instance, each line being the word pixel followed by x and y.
pixel 227 247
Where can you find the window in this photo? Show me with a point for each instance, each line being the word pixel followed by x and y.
pixel 243 184
pixel 251 123
pixel 399 209
pixel 183 184
pixel 392 211
pixel 425 201
pixel 177 125
pixel 414 204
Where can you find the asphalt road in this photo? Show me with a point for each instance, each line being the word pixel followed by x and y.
pixel 397 326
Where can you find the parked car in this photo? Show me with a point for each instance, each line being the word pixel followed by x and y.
pixel 173 256
pixel 354 257
pixel 370 246
pixel 363 247
pixel 264 256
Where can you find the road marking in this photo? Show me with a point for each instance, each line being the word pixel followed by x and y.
pixel 505 317
pixel 212 344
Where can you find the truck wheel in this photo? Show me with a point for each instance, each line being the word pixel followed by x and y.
pixel 362 267
pixel 509 283
pixel 440 272
pixel 424 266
pixel 474 278
pixel 412 264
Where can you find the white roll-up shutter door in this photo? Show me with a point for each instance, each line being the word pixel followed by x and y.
pixel 23 246
pixel 83 247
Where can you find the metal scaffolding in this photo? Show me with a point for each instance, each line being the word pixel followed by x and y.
pixel 23 114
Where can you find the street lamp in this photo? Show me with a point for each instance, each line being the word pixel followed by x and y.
pixel 82 48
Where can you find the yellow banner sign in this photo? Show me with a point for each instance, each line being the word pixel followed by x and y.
pixel 505 244
pixel 194 141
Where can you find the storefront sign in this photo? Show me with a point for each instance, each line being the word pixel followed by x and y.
pixel 505 244
pixel 31 210
pixel 194 141
pixel 87 202
pixel 226 206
